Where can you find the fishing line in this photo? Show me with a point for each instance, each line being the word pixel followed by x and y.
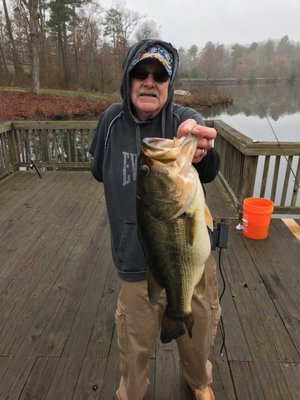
pixel 219 239
pixel 276 137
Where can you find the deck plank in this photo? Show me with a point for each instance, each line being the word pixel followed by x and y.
pixel 40 378
pixel 291 373
pixel 41 266
pixel 261 380
pixel 59 289
pixel 278 275
pixel 67 373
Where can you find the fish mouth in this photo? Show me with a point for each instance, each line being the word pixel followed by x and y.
pixel 168 150
pixel 161 149
pixel 157 146
pixel 156 142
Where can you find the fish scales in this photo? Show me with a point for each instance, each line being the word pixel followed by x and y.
pixel 172 228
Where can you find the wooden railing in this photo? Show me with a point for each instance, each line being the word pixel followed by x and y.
pixel 49 144
pixel 260 169
pixel 248 168
pixel 8 151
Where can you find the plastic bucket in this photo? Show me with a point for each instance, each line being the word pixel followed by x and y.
pixel 257 213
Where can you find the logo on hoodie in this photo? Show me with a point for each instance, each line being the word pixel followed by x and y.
pixel 129 167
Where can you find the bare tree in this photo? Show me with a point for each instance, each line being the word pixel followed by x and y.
pixel 148 30
pixel 207 60
pixel 120 23
pixel 34 45
pixel 2 53
pixel 15 57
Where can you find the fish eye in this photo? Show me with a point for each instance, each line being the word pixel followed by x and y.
pixel 144 170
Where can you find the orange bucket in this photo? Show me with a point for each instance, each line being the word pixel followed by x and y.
pixel 257 213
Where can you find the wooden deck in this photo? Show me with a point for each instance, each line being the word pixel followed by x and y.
pixel 58 294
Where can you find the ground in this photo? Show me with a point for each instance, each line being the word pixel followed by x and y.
pixel 20 105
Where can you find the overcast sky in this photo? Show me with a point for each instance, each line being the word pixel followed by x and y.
pixel 188 22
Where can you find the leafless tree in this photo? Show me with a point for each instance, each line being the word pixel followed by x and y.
pixel 148 30
pixel 34 45
pixel 15 57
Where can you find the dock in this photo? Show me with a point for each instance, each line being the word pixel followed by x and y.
pixel 58 289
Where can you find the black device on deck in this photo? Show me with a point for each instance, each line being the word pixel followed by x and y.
pixel 219 235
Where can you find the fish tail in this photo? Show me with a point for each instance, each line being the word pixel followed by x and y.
pixel 173 328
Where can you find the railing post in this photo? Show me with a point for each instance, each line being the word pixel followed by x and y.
pixel 248 180
pixel 13 148
pixel 44 138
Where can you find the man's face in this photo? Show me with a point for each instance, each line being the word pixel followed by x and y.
pixel 149 88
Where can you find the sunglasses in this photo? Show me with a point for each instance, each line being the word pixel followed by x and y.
pixel 160 76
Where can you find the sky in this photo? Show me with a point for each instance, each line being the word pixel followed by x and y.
pixel 188 22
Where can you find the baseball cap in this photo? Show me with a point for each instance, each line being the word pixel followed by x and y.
pixel 159 53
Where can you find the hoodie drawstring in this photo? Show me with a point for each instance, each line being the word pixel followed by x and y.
pixel 138 132
pixel 163 123
pixel 138 139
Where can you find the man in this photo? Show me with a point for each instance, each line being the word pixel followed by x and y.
pixel 147 88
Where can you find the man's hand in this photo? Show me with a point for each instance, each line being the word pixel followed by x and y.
pixel 204 136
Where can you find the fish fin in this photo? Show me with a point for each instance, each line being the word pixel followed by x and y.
pixel 208 218
pixel 154 289
pixel 201 286
pixel 189 322
pixel 190 226
pixel 174 328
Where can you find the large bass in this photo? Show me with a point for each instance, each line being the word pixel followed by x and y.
pixel 172 223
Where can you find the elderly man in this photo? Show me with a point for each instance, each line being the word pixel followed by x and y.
pixel 147 110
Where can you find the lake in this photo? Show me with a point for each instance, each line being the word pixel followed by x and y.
pixel 264 112
pixel 255 108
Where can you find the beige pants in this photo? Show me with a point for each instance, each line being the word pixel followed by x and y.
pixel 138 325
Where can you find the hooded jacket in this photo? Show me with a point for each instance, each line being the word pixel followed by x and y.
pixel 115 148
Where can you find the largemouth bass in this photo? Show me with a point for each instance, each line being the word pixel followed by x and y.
pixel 172 220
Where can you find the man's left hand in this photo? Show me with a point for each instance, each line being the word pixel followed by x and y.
pixel 204 135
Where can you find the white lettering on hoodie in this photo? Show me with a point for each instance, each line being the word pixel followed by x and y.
pixel 129 167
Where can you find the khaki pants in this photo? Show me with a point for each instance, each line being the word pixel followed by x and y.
pixel 138 325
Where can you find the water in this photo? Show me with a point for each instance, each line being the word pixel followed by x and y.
pixel 257 112
pixel 254 106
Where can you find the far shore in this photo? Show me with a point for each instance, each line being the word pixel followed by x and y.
pixel 21 104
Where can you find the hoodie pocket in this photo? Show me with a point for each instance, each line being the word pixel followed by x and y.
pixel 130 251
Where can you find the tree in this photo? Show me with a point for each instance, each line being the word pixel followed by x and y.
pixel 61 13
pixel 34 45
pixel 284 47
pixel 113 26
pixel 120 23
pixel 207 61
pixel 87 46
pixel 15 57
pixel 237 53
pixel 193 52
pixel 222 62
pixel 148 30
pixel 268 50
pixel 2 47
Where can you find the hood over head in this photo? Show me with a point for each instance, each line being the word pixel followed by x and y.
pixel 157 49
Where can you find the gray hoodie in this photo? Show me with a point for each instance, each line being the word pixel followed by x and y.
pixel 115 148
